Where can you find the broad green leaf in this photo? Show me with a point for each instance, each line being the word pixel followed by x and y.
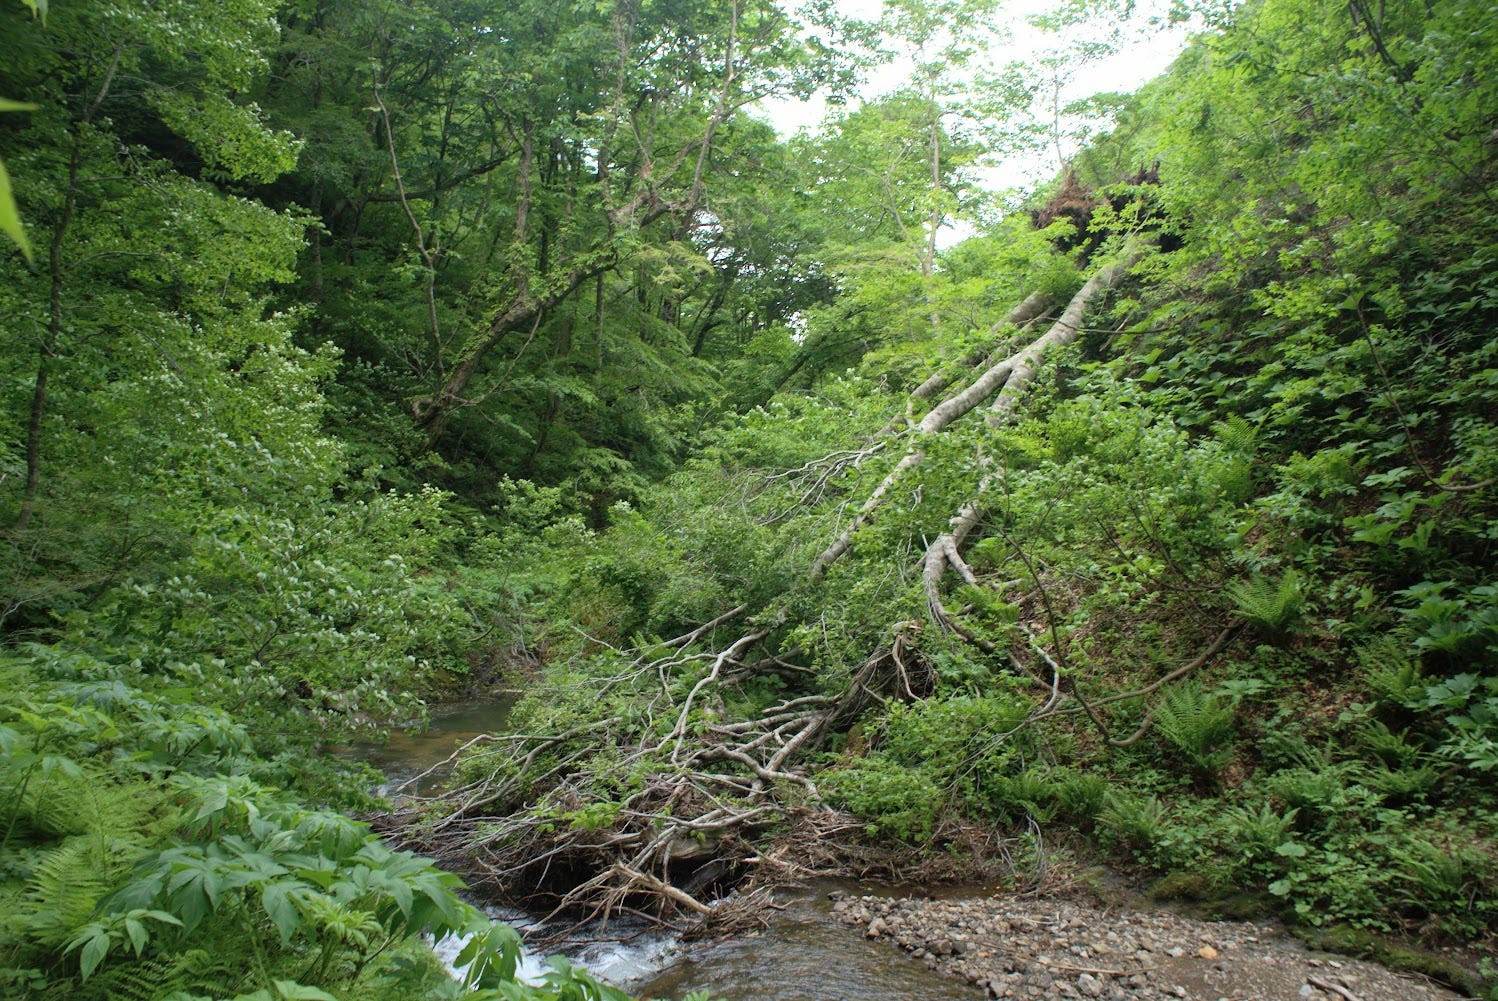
pixel 278 903
pixel 94 952
pixel 57 763
pixel 216 800
pixel 9 218
pixel 137 932
pixel 6 104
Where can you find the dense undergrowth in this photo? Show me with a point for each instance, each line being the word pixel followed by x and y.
pixel 149 852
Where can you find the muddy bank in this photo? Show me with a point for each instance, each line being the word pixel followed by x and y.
pixel 1046 948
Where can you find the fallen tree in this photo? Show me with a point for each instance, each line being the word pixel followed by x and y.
pixel 670 793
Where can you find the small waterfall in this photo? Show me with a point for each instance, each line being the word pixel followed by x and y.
pixel 624 953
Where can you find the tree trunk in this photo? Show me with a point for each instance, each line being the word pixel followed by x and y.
pixel 49 347
pixel 1008 377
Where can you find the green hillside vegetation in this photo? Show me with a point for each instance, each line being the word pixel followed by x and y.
pixel 354 359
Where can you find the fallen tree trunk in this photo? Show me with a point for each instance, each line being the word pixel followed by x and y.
pixel 1008 377
pixel 1029 309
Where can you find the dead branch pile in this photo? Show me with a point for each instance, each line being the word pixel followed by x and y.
pixel 699 793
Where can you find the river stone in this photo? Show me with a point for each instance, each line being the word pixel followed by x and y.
pixel 1040 948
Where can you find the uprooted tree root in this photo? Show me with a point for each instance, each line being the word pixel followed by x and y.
pixel 676 811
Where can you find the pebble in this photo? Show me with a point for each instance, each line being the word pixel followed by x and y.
pixel 1054 948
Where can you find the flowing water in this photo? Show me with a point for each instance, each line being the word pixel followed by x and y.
pixel 804 955
pixel 404 756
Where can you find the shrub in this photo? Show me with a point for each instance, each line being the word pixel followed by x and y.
pixel 899 801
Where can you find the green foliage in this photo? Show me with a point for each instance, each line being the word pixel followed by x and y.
pixel 1197 724
pixel 1391 673
pixel 900 801
pixel 960 747
pixel 1273 606
pixel 1257 834
pixel 657 357
pixel 10 218
pixel 1137 822
pixel 1280 423
pixel 1453 626
pixel 129 860
pixel 1473 705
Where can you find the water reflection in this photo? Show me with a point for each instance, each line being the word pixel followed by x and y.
pixel 407 755
pixel 805 955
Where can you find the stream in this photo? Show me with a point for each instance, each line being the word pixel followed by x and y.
pixel 404 756
pixel 804 954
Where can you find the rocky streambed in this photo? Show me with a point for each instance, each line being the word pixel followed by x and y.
pixel 1017 947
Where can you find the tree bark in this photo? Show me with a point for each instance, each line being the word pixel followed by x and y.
pixel 1033 306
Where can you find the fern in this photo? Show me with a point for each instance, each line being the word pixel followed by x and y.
pixel 1326 794
pixel 1257 833
pixel 68 880
pixel 1237 435
pixel 1196 723
pixel 1137 821
pixel 191 974
pixel 50 805
pixel 64 890
pixel 1391 674
pixel 1393 749
pixel 91 803
pixel 1272 606
pixel 1082 796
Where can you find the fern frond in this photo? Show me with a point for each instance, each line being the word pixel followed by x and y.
pixel 65 887
pixel 1237 435
pixel 1391 674
pixel 1273 606
pixel 191 974
pixel 1258 832
pixel 1137 821
pixel 93 803
pixel 1197 723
